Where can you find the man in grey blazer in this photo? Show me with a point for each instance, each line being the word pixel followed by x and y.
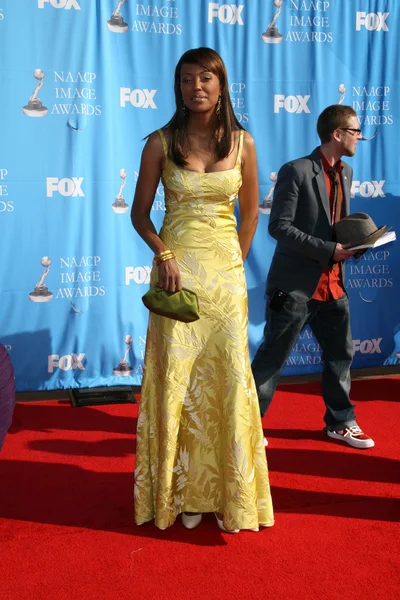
pixel 305 280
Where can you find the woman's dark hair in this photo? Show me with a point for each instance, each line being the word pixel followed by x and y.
pixel 333 117
pixel 225 123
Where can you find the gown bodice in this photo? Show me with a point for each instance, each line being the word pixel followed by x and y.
pixel 198 204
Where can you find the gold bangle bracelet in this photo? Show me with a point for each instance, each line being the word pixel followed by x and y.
pixel 165 259
pixel 165 256
pixel 161 254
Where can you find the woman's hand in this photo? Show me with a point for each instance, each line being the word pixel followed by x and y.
pixel 169 277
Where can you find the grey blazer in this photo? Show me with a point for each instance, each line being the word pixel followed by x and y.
pixel 300 221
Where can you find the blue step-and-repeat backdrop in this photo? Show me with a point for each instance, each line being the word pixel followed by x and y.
pixel 82 83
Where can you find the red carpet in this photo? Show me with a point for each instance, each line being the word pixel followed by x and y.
pixel 66 510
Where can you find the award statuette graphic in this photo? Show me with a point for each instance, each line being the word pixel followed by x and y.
pixel 124 368
pixel 342 92
pixel 116 23
pixel 41 293
pixel 272 35
pixel 120 206
pixel 35 108
pixel 265 207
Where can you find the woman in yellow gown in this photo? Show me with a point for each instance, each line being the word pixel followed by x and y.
pixel 199 437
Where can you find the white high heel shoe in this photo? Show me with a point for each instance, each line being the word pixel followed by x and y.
pixel 221 526
pixel 191 521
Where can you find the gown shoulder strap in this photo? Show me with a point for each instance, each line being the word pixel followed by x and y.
pixel 240 149
pixel 163 141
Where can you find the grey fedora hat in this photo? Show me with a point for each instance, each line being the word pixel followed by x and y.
pixel 357 229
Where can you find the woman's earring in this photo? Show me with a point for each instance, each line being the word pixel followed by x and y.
pixel 183 108
pixel 219 103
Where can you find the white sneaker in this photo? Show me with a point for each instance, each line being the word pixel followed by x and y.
pixel 354 436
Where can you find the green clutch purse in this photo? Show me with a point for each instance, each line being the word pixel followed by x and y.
pixel 181 306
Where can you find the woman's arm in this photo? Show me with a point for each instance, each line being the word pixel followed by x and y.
pixel 248 195
pixel 146 187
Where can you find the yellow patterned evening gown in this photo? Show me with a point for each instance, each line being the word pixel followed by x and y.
pixel 199 436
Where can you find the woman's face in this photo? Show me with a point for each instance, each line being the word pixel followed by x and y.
pixel 200 88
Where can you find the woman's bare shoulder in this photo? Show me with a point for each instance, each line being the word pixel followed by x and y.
pixel 248 138
pixel 154 148
pixel 249 148
pixel 154 140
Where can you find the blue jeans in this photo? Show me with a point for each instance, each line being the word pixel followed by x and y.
pixel 330 324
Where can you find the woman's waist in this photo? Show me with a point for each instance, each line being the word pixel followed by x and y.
pixel 190 211
pixel 181 221
pixel 199 237
pixel 214 254
pixel 199 269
